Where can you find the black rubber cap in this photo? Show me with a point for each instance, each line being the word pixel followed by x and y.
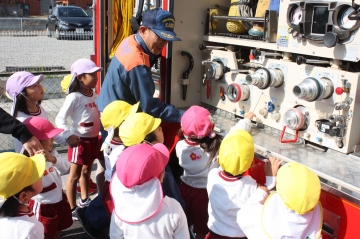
pixel 300 60
pixel 330 39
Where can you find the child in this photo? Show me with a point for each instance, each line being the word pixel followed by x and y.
pixel 197 155
pixel 293 211
pixel 96 217
pixel 228 190
pixel 140 209
pixel 20 180
pixel 143 128
pixel 27 93
pixel 50 206
pixel 83 135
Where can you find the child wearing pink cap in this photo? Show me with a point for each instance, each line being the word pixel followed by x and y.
pixel 140 208
pixel 50 206
pixel 197 153
pixel 27 93
pixel 83 135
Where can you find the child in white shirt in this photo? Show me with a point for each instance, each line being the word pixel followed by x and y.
pixel 96 217
pixel 197 153
pixel 83 135
pixel 140 208
pixel 292 211
pixel 50 207
pixel 227 188
pixel 20 180
pixel 26 91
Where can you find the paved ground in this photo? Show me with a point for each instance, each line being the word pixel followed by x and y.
pixel 76 231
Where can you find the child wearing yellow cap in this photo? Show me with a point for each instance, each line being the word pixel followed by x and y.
pixel 96 217
pixel 227 188
pixel 20 180
pixel 293 211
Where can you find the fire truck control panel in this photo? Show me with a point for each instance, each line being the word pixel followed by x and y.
pixel 295 64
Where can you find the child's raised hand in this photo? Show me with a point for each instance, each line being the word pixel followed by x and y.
pixel 47 155
pixel 272 166
pixel 73 141
pixel 249 115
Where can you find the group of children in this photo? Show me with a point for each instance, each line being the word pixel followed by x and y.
pixel 220 201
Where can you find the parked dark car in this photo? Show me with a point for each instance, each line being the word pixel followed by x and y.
pixel 67 21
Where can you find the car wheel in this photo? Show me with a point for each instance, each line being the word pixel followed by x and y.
pixel 57 34
pixel 48 32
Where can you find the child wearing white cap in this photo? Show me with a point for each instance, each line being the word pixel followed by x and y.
pixel 83 135
pixel 197 152
pixel 50 206
pixel 140 208
pixel 20 180
pixel 292 211
pixel 229 190
pixel 26 91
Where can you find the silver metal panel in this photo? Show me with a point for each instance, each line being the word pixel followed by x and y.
pixel 341 171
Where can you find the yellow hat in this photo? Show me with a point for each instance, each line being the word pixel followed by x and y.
pixel 298 187
pixel 236 152
pixel 136 126
pixel 66 82
pixel 17 172
pixel 116 112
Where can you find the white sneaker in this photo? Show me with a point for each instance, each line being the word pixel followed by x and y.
pixel 84 204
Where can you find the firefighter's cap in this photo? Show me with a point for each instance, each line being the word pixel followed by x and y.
pixel 116 112
pixel 236 152
pixel 161 22
pixel 136 127
pixel 298 187
pixel 17 172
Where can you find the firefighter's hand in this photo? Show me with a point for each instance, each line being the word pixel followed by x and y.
pixel 272 166
pixel 32 146
pixel 249 115
pixel 73 141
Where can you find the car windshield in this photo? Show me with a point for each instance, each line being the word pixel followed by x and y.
pixel 72 12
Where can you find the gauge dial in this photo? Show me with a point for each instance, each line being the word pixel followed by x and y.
pixel 344 20
pixel 296 16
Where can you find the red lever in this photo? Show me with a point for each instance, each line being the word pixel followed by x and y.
pixel 208 89
pixel 339 90
pixel 251 57
pixel 288 140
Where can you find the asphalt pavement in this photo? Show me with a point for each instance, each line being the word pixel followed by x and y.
pixel 76 231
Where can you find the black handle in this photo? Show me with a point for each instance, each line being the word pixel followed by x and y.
pixel 191 64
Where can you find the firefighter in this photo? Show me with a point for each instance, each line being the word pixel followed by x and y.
pixel 129 74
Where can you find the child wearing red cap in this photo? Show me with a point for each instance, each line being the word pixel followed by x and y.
pixel 50 206
pixel 26 91
pixel 83 135
pixel 140 208
pixel 197 153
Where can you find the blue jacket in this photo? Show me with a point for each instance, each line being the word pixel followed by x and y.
pixel 129 79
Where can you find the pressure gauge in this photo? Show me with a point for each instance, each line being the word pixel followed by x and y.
pixel 344 21
pixel 296 15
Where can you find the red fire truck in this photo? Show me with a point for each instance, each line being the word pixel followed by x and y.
pixel 294 63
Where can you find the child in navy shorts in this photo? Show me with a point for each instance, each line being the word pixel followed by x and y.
pixel 83 135
pixel 50 207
